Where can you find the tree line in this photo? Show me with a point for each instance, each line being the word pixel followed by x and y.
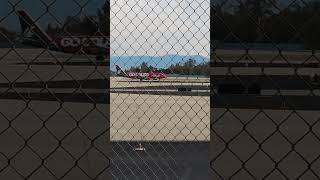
pixel 190 67
pixel 266 21
pixel 88 25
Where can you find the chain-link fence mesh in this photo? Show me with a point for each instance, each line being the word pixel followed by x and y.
pixel 55 79
pixel 265 98
pixel 54 108
pixel 160 105
pixel 58 119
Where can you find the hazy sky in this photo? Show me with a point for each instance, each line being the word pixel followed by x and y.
pixel 59 9
pixel 159 27
pixel 138 27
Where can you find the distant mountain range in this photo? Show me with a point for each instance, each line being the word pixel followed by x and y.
pixel 125 62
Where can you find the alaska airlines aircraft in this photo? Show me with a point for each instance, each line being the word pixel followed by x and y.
pixel 139 75
pixel 66 42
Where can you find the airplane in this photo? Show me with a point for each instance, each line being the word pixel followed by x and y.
pixel 68 43
pixel 139 75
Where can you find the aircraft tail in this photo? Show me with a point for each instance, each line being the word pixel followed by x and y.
pixel 29 25
pixel 120 72
pixel 23 23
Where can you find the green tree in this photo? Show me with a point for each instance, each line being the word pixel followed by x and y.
pixel 81 25
pixel 144 67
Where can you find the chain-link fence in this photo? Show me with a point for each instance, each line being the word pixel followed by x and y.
pixel 55 82
pixel 54 107
pixel 96 89
pixel 265 98
pixel 160 89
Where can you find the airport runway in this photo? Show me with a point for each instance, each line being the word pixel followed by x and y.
pixel 156 104
pixel 90 87
pixel 49 93
pixel 44 80
pixel 163 123
pixel 130 96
